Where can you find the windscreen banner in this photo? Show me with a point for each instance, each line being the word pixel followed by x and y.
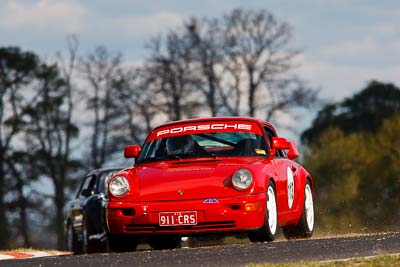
pixel 203 128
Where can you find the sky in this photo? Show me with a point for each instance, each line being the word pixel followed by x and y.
pixel 344 43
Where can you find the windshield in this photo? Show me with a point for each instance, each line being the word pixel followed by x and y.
pixel 219 144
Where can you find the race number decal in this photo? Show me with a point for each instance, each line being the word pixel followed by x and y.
pixel 290 187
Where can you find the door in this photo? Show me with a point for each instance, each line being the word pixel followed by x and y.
pixel 85 191
pixel 285 174
pixel 94 206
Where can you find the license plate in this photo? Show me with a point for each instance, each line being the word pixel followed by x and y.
pixel 177 218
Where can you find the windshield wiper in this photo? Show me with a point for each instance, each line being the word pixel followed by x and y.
pixel 160 158
pixel 198 154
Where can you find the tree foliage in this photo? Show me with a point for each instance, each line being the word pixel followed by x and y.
pixel 364 111
pixel 357 177
pixel 35 124
pixel 48 128
pixel 17 72
pixel 353 154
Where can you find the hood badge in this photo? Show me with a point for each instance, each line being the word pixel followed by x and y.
pixel 180 192
pixel 211 200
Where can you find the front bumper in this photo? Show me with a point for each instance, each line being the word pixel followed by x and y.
pixel 241 213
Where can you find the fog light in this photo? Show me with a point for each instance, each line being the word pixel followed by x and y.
pixel 252 206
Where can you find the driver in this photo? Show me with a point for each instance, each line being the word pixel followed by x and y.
pixel 180 145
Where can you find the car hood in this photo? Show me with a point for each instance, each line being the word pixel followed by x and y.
pixel 189 178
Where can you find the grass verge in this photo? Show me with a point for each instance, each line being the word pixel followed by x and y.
pixel 376 261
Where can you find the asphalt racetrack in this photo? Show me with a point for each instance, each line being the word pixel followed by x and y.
pixel 233 255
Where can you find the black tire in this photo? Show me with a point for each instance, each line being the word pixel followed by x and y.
pixel 91 245
pixel 268 231
pixel 88 246
pixel 122 243
pixel 164 242
pixel 72 243
pixel 305 226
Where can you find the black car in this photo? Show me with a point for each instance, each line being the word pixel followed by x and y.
pixel 85 225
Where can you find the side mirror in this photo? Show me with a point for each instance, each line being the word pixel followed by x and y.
pixel 87 192
pixel 293 153
pixel 282 143
pixel 279 143
pixel 132 151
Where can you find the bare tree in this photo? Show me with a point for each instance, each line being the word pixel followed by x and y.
pixel 243 64
pixel 135 112
pixel 261 62
pixel 171 78
pixel 67 71
pixel 100 69
pixel 207 57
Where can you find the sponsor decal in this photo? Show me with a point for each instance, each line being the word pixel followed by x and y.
pixel 290 187
pixel 199 128
pixel 211 200
pixel 205 127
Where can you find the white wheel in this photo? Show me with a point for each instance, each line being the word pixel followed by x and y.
pixel 268 231
pixel 271 209
pixel 305 226
pixel 309 206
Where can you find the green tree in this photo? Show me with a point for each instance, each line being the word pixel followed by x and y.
pixel 17 71
pixel 48 127
pixel 365 111
pixel 336 162
pixel 357 178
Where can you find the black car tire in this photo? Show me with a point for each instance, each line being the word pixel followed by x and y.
pixel 122 243
pixel 164 242
pixel 305 227
pixel 268 231
pixel 92 245
pixel 88 246
pixel 72 243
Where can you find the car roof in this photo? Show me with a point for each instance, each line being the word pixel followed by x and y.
pixel 101 170
pixel 258 121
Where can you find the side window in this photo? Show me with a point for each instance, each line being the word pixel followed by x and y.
pixel 279 153
pixel 269 136
pixel 88 183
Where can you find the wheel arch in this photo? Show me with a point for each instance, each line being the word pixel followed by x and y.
pixel 309 178
pixel 267 182
pixel 68 221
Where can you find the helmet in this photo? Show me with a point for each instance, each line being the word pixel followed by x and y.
pixel 179 144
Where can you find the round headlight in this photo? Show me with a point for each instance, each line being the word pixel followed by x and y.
pixel 119 186
pixel 242 179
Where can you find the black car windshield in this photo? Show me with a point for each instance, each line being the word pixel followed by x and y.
pixel 104 178
pixel 220 144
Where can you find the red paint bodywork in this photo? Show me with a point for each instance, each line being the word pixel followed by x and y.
pixel 184 185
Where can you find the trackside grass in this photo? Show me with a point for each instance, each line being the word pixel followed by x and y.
pixel 377 261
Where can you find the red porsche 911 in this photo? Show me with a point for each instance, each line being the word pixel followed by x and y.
pixel 206 176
